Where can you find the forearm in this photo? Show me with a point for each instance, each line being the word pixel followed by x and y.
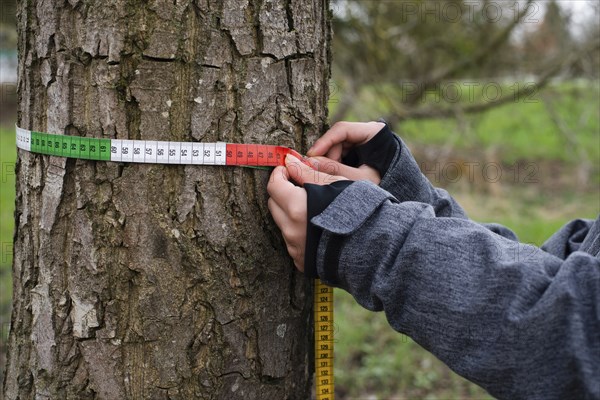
pixel 508 316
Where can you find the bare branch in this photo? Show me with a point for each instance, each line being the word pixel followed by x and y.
pixel 438 76
pixel 526 90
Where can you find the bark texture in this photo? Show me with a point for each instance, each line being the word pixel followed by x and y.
pixel 150 281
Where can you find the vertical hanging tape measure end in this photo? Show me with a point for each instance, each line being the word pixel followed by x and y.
pixel 324 332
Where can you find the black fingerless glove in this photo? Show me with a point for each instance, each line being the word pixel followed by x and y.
pixel 377 153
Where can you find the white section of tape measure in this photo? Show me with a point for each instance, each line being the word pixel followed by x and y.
pixel 153 151
pixel 23 139
pixel 160 152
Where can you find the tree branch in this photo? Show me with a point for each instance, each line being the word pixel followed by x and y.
pixel 438 76
pixel 526 90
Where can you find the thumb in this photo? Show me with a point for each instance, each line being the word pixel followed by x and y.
pixel 302 173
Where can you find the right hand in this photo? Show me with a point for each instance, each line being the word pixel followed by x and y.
pixel 328 150
pixel 288 203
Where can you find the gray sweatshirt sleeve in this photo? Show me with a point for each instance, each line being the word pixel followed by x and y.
pixel 519 321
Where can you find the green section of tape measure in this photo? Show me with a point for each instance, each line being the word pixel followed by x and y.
pixel 70 146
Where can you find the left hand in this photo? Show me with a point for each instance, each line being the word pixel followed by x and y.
pixel 287 203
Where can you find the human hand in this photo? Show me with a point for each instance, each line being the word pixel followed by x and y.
pixel 287 203
pixel 332 167
pixel 328 150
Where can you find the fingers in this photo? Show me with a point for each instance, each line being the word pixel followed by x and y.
pixel 292 224
pixel 279 216
pixel 330 146
pixel 348 133
pixel 302 173
pixel 337 134
pixel 280 187
pixel 287 221
pixel 331 167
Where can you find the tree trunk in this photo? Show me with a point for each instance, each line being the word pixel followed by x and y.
pixel 151 281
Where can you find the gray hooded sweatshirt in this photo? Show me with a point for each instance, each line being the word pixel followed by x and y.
pixel 522 322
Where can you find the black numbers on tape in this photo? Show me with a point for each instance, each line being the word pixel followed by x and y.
pixel 137 150
pixel 160 152
pixel 125 150
pixel 113 149
pixel 171 152
pixel 195 153
pixel 218 153
pixel 184 153
pixel 206 153
pixel 148 151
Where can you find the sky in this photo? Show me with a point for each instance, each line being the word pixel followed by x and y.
pixel 581 11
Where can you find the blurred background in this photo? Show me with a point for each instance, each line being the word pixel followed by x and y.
pixel 499 102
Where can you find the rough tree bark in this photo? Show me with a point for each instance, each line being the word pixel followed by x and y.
pixel 152 281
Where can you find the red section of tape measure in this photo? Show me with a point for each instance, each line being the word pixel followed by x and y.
pixel 260 155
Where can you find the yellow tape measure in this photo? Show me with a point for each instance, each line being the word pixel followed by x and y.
pixel 323 313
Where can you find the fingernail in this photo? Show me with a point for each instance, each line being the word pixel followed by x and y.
pixel 291 159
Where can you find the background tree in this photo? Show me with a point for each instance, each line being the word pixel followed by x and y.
pixel 401 51
pixel 152 281
pixel 548 39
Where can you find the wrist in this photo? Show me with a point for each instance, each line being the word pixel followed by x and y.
pixel 318 199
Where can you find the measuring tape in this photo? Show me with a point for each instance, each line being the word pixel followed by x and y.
pixel 323 314
pixel 197 153
pixel 154 151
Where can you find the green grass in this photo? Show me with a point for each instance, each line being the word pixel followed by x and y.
pixel 371 359
pixel 519 130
